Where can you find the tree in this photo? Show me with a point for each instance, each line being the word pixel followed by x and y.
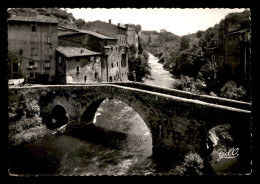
pixel 199 34
pixel 230 90
pixel 208 74
pixel 149 39
pixel 140 66
pixel 140 45
pixel 236 18
pixel 184 43
pixel 79 22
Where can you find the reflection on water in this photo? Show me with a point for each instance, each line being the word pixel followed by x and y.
pixel 67 155
pixel 118 143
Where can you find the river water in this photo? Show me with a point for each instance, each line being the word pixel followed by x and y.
pixel 159 76
pixel 117 143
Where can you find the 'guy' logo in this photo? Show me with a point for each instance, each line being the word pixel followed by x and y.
pixel 231 153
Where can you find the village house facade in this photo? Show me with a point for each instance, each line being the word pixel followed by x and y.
pixel 233 52
pixel 114 60
pixel 118 55
pixel 77 65
pixel 32 41
pixel 132 38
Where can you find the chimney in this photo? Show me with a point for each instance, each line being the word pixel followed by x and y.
pixel 9 15
pixel 118 24
pixel 109 21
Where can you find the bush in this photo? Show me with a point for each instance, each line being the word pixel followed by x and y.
pixel 192 165
pixel 25 123
pixel 140 67
pixel 208 74
pixel 186 83
pixel 230 90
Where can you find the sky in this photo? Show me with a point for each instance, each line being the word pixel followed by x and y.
pixel 178 21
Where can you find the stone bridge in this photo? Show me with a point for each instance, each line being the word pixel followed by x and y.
pixel 178 120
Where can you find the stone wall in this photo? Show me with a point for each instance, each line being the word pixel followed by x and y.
pixel 89 71
pixel 184 94
pixel 21 37
pixel 178 125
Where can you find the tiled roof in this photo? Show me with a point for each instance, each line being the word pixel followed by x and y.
pixel 238 31
pixel 68 33
pixel 131 29
pixel 38 18
pixel 121 26
pixel 98 35
pixel 76 51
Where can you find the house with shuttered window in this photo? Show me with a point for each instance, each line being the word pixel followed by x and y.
pixel 32 41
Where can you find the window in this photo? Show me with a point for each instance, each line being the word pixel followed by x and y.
pixel 15 67
pixel 111 48
pixel 15 76
pixel 116 63
pixel 77 68
pixel 31 63
pixel 21 52
pixel 49 52
pixel 34 28
pixel 32 75
pixel 59 60
pixel 77 59
pixel 112 65
pixel 49 39
pixel 34 52
pixel 96 75
pixel 123 60
pixel 85 78
pixel 105 43
pixel 47 64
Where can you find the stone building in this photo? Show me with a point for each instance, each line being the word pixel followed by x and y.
pixel 117 55
pixel 132 38
pixel 32 41
pixel 114 60
pixel 233 52
pixel 77 65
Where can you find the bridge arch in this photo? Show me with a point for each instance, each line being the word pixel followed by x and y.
pixel 88 113
pixel 58 117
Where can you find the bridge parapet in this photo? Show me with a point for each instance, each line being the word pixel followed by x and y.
pixel 177 124
pixel 188 95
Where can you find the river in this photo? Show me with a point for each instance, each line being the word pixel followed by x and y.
pixel 117 143
pixel 159 76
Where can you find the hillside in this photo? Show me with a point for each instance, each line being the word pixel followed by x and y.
pixel 64 18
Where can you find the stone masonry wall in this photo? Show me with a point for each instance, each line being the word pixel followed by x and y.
pixel 178 125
